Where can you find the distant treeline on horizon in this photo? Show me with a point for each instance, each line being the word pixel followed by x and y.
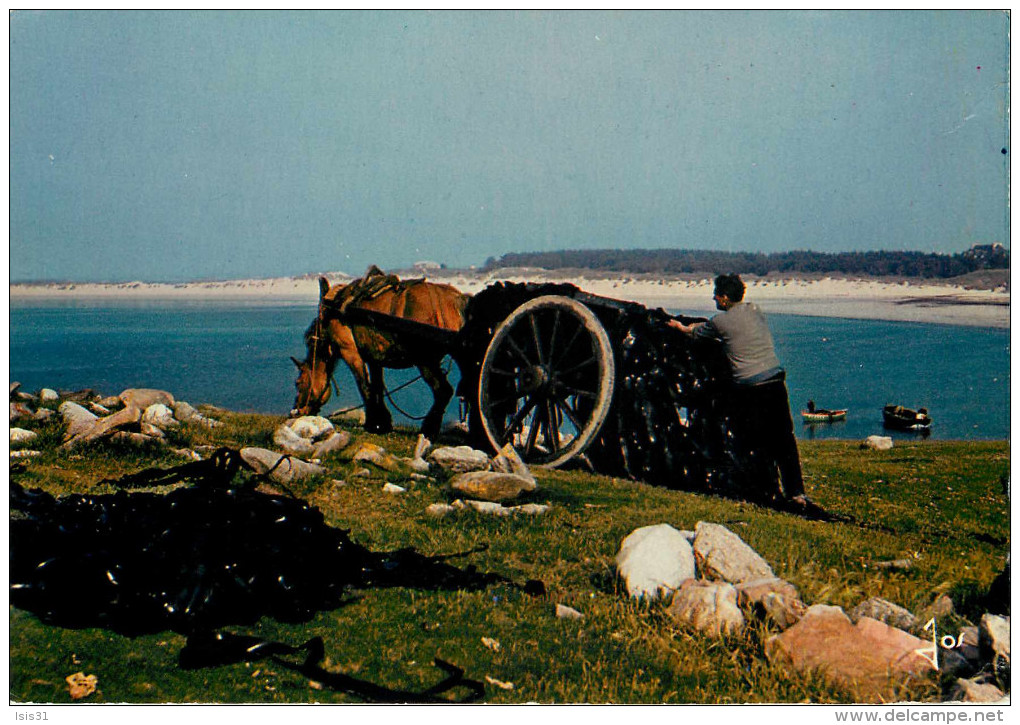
pixel 706 261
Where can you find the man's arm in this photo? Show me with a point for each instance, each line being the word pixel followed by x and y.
pixel 688 329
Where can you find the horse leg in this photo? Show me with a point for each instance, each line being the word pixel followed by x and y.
pixel 377 416
pixel 442 391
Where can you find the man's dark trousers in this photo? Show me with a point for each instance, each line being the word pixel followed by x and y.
pixel 761 416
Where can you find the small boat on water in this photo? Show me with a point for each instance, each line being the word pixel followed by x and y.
pixel 899 418
pixel 821 415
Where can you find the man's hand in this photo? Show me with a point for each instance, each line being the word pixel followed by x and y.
pixel 688 329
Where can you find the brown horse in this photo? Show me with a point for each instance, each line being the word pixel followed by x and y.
pixel 367 350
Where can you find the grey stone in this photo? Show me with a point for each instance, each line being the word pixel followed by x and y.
pixel 509 461
pixel 380 458
pixel 529 509
pixel 188 453
pixel 783 610
pixel 752 591
pixel 99 409
pixel 133 438
pixel 43 414
pixel 709 607
pixel 77 418
pixel 285 469
pixel 975 690
pixel 128 417
pixel 142 398
pixel 487 507
pixel 491 485
pixel 900 564
pixel 25 454
pixel 110 402
pixel 14 388
pixel 565 612
pixel 943 605
pixel 290 442
pixel 721 554
pixel 48 395
pixel 339 440
pixel 884 611
pixel 160 415
pixel 20 410
pixel 393 488
pixel 150 430
pixel 20 435
pixel 654 560
pixel 439 510
pixel 186 413
pixel 878 443
pixel 312 427
pixel 993 635
pixel 460 459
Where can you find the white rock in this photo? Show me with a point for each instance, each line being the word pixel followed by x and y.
pixel 393 488
pixel 290 442
pixel 491 485
pixel 288 470
pixel 460 459
pixel 20 435
pixel 150 430
pixel 99 409
pixel 654 560
pixel 335 441
pixel 721 554
pixel 565 612
pixel 144 397
pixel 25 454
pixel 708 607
pixel 421 446
pixel 487 507
pixel 878 443
pixel 48 395
pixel 529 509
pixel 509 461
pixel 78 419
pixel 188 453
pixel 160 415
pixel 439 510
pixel 185 413
pixel 311 427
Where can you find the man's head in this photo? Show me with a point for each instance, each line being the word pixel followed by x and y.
pixel 729 290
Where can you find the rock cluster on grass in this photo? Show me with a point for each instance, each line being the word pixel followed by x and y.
pixel 711 581
pixel 137 415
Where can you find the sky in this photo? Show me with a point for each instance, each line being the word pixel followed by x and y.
pixel 171 146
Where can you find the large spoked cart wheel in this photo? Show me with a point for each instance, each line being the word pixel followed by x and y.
pixel 546 381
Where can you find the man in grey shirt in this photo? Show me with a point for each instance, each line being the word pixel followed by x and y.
pixel 759 402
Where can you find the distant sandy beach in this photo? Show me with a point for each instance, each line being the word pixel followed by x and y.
pixel 926 302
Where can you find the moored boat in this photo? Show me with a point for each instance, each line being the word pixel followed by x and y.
pixel 900 418
pixel 822 415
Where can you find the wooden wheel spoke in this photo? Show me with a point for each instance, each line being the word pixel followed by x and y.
pixel 536 338
pixel 529 445
pixel 571 390
pixel 551 351
pixel 499 371
pixel 552 428
pixel 570 415
pixel 578 329
pixel 577 366
pixel 517 349
pixel 518 419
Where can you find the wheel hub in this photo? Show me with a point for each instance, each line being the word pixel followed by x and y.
pixel 534 378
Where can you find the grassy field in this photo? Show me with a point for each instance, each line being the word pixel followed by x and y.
pixel 939 504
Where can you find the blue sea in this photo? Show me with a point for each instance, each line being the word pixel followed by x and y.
pixel 237 355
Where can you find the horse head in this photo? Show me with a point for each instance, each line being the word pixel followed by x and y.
pixel 314 372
